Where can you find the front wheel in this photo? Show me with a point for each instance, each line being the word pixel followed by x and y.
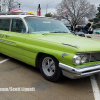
pixel 49 68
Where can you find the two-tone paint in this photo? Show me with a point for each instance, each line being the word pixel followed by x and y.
pixel 30 47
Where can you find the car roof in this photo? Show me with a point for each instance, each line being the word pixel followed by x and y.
pixel 23 16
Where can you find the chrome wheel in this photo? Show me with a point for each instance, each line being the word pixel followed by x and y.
pixel 48 66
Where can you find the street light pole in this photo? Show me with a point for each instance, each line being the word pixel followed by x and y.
pixel 47 6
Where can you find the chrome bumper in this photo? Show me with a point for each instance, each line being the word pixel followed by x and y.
pixel 74 73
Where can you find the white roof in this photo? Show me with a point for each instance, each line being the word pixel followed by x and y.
pixel 23 16
pixel 17 16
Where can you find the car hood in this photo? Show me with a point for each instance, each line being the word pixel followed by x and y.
pixel 81 43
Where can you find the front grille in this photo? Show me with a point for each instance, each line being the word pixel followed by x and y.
pixel 92 57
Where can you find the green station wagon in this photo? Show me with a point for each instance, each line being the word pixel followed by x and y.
pixel 46 43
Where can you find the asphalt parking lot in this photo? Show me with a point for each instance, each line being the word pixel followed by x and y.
pixel 16 74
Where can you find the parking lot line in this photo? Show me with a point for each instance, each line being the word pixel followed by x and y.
pixel 3 61
pixel 95 88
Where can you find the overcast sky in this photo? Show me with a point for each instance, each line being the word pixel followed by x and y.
pixel 31 5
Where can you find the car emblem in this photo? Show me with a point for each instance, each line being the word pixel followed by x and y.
pixel 64 54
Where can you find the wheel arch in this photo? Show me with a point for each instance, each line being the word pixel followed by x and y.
pixel 38 57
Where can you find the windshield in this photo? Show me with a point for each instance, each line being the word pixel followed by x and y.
pixel 39 25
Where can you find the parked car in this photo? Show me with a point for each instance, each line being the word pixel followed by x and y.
pixel 68 26
pixel 97 31
pixel 47 44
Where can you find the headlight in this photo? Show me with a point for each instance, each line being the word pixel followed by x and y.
pixel 83 59
pixel 76 60
pixel 80 59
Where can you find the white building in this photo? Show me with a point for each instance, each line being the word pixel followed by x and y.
pixel 2 6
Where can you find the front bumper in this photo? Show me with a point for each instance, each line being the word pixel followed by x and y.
pixel 75 73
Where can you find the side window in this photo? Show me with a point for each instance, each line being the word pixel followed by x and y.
pixel 18 26
pixel 4 24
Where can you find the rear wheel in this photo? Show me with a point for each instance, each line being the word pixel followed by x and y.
pixel 49 68
pixel 97 33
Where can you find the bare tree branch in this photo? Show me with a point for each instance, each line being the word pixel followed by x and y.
pixel 12 4
pixel 76 10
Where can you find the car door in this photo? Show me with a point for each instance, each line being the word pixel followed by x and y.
pixel 14 39
pixel 4 28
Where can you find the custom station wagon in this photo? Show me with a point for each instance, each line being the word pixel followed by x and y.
pixel 46 43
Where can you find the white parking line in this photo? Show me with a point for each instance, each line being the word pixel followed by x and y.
pixel 95 88
pixel 3 61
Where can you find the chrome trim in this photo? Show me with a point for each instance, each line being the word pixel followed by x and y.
pixel 71 45
pixel 74 73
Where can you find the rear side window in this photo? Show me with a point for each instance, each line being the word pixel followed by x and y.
pixel 18 26
pixel 4 24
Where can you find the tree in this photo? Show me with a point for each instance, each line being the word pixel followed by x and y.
pixel 48 15
pixel 96 20
pixel 77 10
pixel 12 4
